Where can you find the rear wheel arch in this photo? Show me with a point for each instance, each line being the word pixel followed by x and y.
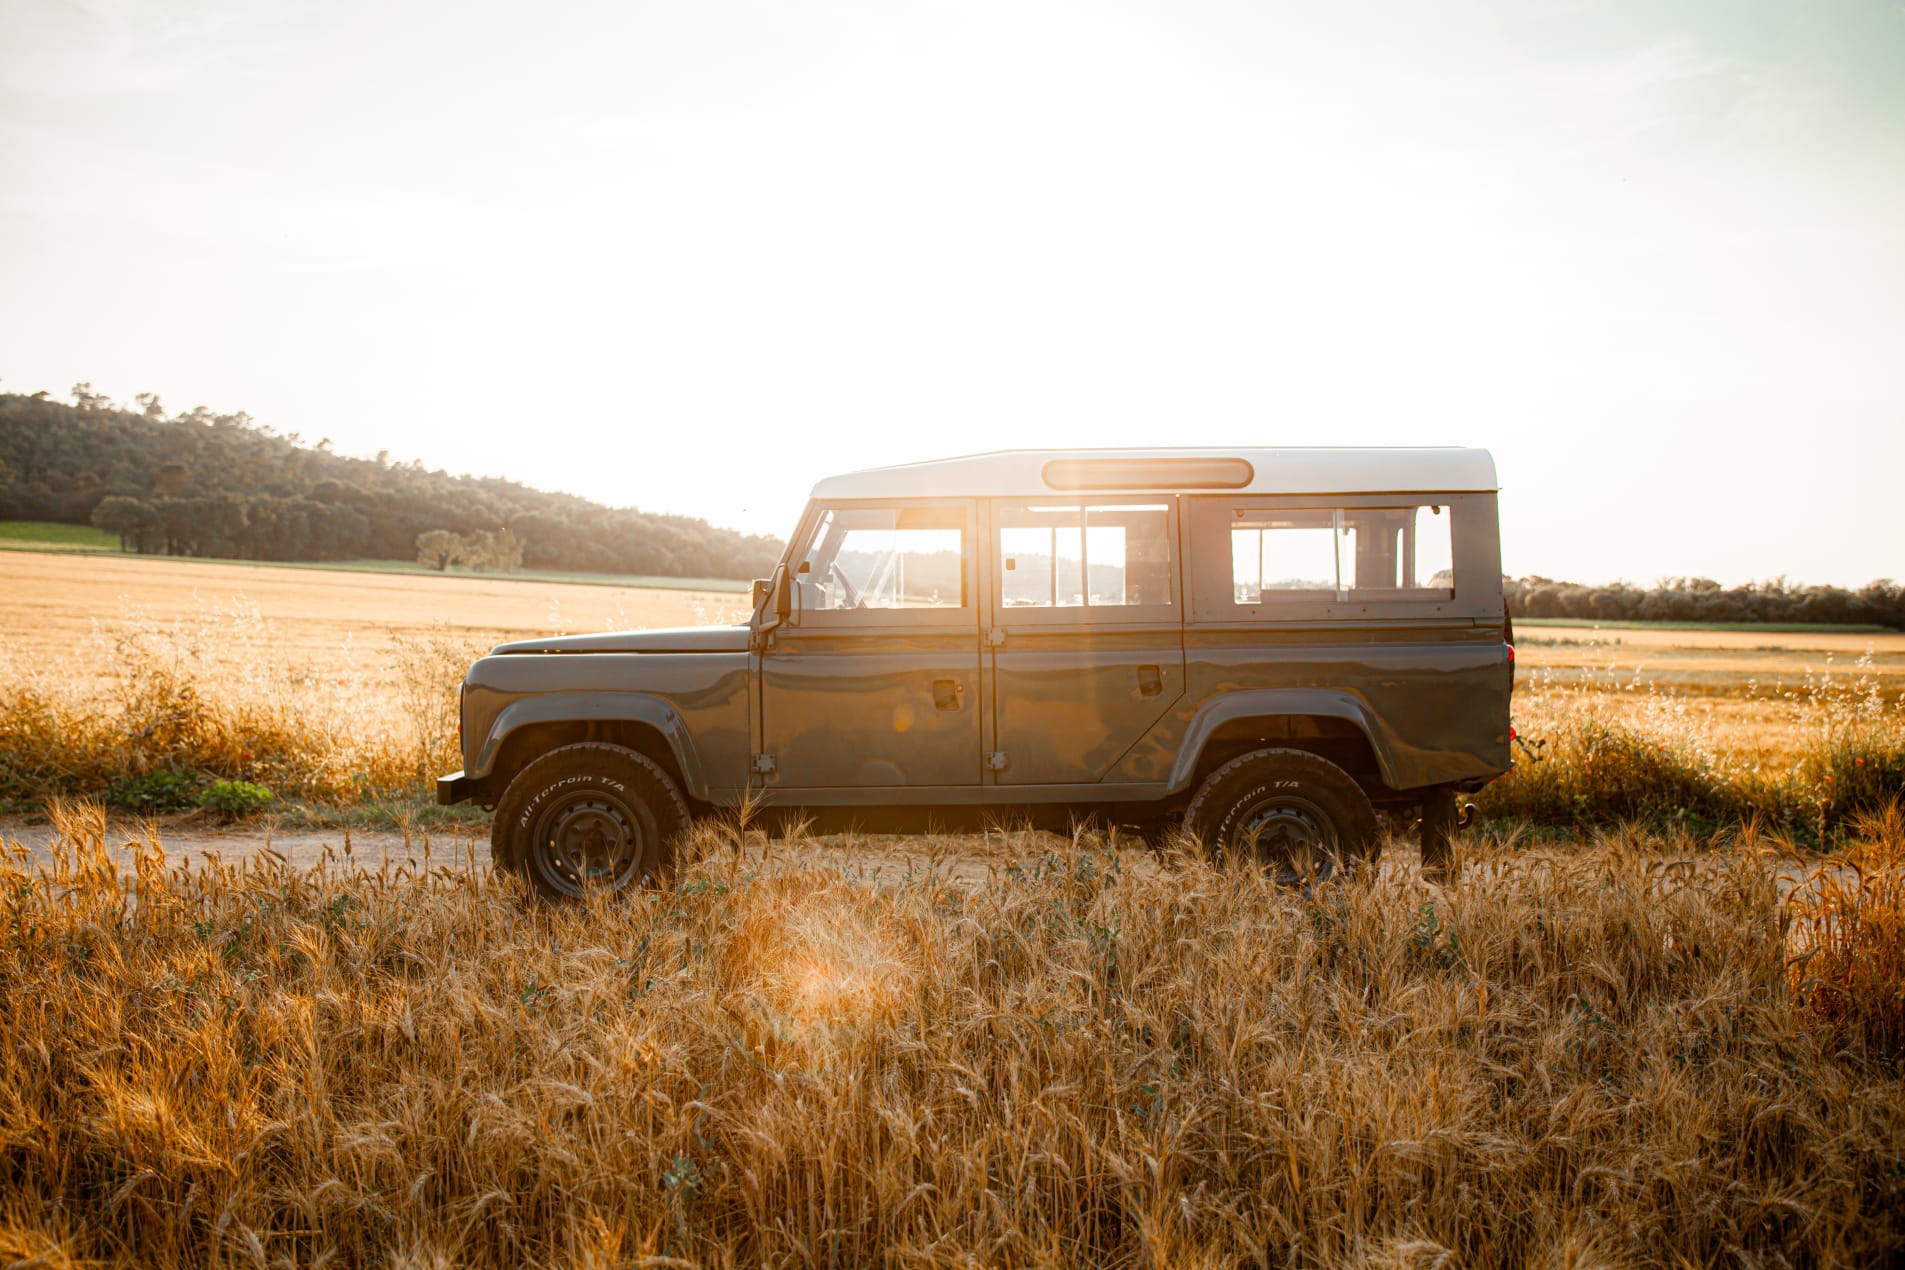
pixel 1334 738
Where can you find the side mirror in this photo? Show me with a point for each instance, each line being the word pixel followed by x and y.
pixel 772 603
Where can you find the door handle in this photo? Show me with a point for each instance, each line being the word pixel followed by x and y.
pixel 948 694
pixel 1150 683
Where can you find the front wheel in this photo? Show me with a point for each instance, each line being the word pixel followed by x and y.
pixel 1298 816
pixel 588 817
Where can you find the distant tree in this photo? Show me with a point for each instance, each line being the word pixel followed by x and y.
pixel 149 405
pixel 488 549
pixel 507 551
pixel 437 548
pixel 544 538
pixel 126 517
pixel 171 480
pixel 88 402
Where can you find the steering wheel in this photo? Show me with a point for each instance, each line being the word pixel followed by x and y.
pixel 846 586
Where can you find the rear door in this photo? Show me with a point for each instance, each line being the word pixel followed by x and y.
pixel 1086 636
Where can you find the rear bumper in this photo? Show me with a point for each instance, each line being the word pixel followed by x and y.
pixel 455 788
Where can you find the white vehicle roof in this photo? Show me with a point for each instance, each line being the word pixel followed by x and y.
pixel 1298 470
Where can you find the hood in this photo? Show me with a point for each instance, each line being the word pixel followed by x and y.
pixel 678 639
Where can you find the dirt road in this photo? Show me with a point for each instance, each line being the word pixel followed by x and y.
pixel 971 858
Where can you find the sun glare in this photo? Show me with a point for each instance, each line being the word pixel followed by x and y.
pixel 813 967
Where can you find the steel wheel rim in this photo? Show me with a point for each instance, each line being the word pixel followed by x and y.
pixel 1290 837
pixel 587 840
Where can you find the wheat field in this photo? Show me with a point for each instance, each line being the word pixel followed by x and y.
pixel 1606 1055
pixel 1649 1030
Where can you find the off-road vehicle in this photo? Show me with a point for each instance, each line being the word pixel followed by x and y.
pixel 1267 649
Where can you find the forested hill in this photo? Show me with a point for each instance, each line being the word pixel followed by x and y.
pixel 205 484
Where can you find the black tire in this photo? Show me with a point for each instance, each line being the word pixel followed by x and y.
pixel 589 816
pixel 1299 816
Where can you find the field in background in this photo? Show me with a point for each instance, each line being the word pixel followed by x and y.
pixel 331 622
pixel 145 680
pixel 36 535
pixel 1783 628
pixel 142 679
pixel 17 535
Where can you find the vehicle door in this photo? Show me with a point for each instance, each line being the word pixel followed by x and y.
pixel 874 678
pixel 1086 637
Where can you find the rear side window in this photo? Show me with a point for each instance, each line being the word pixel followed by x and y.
pixel 1342 553
pixel 1099 559
pixel 1277 557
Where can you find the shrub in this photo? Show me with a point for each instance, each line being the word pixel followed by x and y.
pixel 235 798
pixel 163 790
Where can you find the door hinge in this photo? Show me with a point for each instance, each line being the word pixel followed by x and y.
pixel 996 637
pixel 996 761
pixel 764 764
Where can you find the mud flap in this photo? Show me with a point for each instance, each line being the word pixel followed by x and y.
pixel 1439 823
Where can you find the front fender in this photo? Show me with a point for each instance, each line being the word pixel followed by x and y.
pixel 579 707
pixel 1259 703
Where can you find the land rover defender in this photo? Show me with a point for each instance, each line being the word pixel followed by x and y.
pixel 1263 649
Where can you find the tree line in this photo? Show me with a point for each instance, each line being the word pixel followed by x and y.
pixel 206 484
pixel 1880 603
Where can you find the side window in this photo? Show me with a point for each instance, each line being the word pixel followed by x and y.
pixel 884 558
pixel 1283 551
pixel 1084 555
pixel 1346 554
pixel 1404 550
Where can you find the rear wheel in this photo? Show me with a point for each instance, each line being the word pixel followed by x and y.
pixel 1299 817
pixel 588 817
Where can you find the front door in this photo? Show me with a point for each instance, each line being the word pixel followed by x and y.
pixel 874 679
pixel 1087 641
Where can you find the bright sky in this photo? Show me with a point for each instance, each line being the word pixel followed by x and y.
pixel 694 256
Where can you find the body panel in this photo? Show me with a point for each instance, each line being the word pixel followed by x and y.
pixel 871 707
pixel 698 701
pixel 676 639
pixel 1432 703
pixel 953 796
pixel 1069 701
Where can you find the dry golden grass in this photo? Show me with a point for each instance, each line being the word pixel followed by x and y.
pixel 326 686
pixel 142 680
pixel 1849 924
pixel 1583 1057
pixel 1605 743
